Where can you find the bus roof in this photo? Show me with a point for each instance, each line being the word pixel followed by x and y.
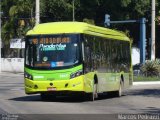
pixel 76 27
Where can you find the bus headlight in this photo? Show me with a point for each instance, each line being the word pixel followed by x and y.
pixel 28 76
pixel 76 74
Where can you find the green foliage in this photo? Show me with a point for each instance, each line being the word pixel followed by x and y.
pixel 56 10
pixel 22 8
pixel 125 3
pixel 145 78
pixel 151 68
pixel 89 21
pixel 141 7
pixel 90 11
pixel 14 11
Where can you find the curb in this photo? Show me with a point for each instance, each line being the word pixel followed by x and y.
pixel 147 83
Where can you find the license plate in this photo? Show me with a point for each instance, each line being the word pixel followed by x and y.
pixel 51 89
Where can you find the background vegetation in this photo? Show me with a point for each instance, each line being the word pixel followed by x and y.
pixel 18 15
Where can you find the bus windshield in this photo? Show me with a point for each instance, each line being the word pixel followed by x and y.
pixel 52 51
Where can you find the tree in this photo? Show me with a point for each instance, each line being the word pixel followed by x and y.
pixel 56 10
pixel 14 13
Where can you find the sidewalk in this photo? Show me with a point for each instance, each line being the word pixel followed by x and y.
pixel 11 74
pixel 147 83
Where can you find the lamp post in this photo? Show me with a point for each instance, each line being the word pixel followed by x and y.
pixel 0 41
pixel 73 10
pixel 37 17
pixel 153 31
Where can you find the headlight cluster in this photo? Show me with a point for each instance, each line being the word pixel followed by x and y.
pixel 28 76
pixel 76 74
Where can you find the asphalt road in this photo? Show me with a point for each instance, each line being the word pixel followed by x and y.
pixel 139 99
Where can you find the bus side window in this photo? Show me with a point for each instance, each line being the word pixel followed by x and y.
pixel 87 56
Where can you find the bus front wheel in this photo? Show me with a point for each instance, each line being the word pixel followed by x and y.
pixel 46 96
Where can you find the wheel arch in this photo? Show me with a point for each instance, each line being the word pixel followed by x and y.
pixel 95 79
pixel 122 78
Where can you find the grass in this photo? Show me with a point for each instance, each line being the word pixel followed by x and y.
pixel 145 79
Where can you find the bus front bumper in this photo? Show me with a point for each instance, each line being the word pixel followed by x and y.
pixel 72 85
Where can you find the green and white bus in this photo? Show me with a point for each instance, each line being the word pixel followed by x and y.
pixel 76 57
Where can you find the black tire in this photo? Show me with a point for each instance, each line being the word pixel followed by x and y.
pixel 46 96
